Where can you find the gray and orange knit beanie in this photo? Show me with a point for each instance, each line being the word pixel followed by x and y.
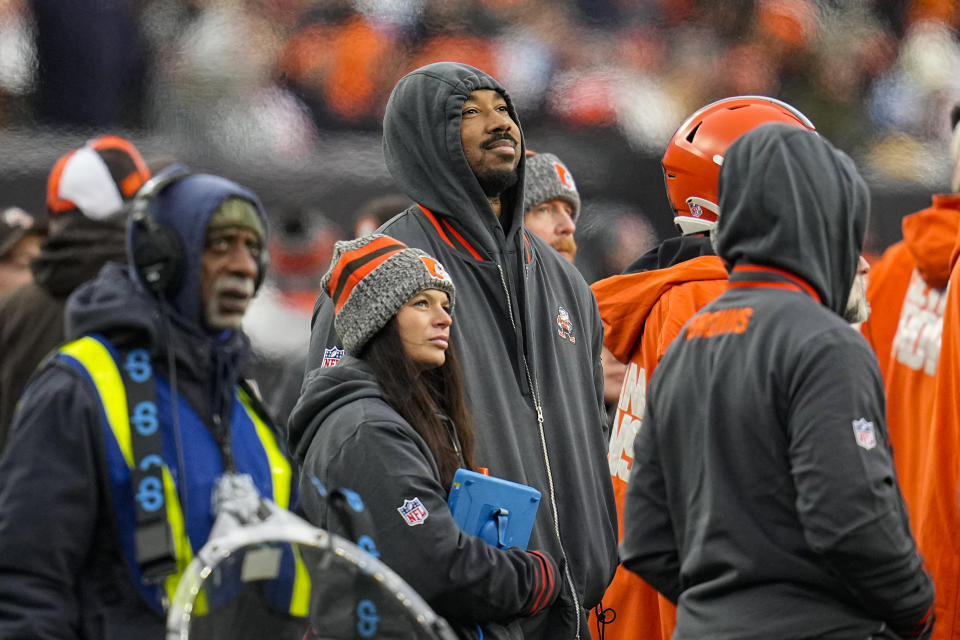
pixel 370 278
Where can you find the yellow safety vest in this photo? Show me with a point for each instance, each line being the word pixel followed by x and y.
pixel 100 365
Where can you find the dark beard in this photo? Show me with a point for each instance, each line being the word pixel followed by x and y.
pixel 494 183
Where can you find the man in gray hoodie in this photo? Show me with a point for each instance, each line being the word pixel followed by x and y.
pixel 763 499
pixel 528 333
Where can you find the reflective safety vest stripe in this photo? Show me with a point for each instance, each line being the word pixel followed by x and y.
pixel 282 481
pixel 101 367
pixel 279 465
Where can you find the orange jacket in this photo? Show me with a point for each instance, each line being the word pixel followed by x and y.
pixel 642 313
pixel 938 511
pixel 906 294
pixel 887 284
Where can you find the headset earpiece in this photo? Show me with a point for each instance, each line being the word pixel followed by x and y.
pixel 158 254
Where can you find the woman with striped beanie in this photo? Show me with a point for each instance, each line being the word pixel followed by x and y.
pixel 388 420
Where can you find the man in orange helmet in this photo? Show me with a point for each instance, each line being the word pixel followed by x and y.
pixel 644 308
pixel 762 497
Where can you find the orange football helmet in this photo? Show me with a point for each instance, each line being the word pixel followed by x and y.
pixel 691 164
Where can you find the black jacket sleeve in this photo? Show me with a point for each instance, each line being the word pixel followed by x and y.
pixel 648 547
pixel 49 499
pixel 461 576
pixel 848 498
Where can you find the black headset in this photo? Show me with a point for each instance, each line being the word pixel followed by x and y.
pixel 158 253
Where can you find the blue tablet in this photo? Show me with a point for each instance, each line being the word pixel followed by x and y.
pixel 499 511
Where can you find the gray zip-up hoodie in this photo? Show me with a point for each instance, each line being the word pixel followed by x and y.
pixel 763 498
pixel 527 331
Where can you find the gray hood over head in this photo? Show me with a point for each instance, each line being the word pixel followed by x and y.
pixel 791 200
pixel 422 148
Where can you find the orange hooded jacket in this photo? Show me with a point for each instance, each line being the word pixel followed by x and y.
pixel 642 313
pixel 906 295
pixel 938 511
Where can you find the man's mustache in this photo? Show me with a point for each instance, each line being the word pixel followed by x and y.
pixel 500 136
pixel 566 243
pixel 234 284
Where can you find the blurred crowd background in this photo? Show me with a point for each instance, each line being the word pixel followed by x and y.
pixel 287 96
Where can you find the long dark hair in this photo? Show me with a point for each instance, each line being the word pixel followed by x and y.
pixel 431 400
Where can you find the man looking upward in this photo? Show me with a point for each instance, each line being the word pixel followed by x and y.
pixel 529 334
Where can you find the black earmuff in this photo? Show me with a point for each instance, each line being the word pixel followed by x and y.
pixel 158 254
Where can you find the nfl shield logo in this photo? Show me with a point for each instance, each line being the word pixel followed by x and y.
pixel 864 433
pixel 413 512
pixel 331 356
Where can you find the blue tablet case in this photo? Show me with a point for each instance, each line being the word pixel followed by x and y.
pixel 499 511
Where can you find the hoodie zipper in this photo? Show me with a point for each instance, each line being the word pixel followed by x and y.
pixel 535 390
pixel 454 438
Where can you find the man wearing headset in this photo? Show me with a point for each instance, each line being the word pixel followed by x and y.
pixel 117 445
